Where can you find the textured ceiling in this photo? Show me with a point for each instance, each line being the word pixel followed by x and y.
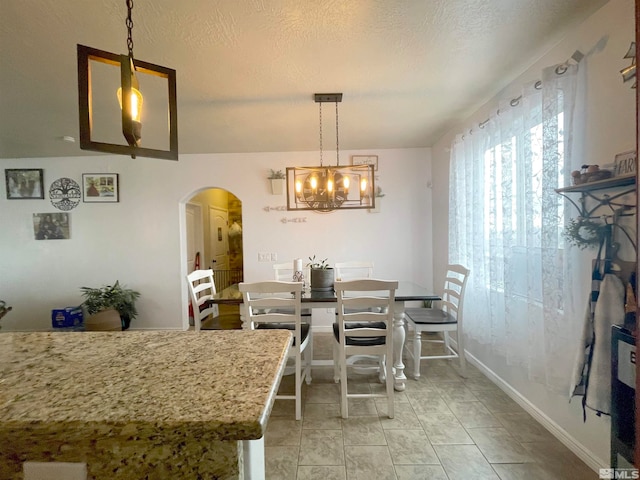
pixel 247 69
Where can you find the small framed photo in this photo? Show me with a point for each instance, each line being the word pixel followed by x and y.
pixel 100 188
pixel 626 163
pixel 24 183
pixel 51 226
pixel 365 160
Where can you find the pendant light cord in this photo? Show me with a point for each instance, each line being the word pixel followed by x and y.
pixel 129 24
pixel 337 142
pixel 320 103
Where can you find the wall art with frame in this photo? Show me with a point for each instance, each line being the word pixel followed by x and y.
pixel 100 188
pixel 51 226
pixel 24 183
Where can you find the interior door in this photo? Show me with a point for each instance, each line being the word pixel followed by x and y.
pixel 219 238
pixel 195 235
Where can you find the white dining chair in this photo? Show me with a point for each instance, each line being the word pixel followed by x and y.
pixel 202 289
pixel 283 272
pixel 443 321
pixel 274 304
pixel 353 269
pixel 364 326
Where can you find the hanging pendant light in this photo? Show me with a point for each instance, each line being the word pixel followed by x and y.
pixel 130 98
pixel 329 188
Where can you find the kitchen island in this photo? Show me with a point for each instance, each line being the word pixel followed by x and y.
pixel 154 404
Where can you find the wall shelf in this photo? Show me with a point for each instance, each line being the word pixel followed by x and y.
pixel 595 192
pixel 621 181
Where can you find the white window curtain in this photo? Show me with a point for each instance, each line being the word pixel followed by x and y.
pixel 506 223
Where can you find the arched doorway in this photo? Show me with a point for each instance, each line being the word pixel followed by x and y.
pixel 212 233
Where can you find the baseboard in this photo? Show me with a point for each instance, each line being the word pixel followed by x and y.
pixel 556 430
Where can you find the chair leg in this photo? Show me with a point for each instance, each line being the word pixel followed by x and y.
pixel 390 387
pixel 308 355
pixel 445 342
pixel 336 366
pixel 298 385
pixel 463 360
pixel 344 407
pixel 382 372
pixel 417 351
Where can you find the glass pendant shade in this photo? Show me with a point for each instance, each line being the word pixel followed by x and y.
pixel 135 103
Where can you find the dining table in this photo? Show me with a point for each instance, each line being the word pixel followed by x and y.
pixel 407 291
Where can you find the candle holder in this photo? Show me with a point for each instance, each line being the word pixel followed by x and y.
pixel 298 276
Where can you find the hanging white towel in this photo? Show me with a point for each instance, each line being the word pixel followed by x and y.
pixel 592 370
pixel 609 311
pixel 581 365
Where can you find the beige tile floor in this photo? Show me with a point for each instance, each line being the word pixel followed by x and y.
pixel 445 428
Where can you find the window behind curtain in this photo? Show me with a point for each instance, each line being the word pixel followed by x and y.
pixel 506 223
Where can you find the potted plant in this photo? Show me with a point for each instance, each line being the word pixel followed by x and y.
pixel 277 178
pixel 321 274
pixel 114 298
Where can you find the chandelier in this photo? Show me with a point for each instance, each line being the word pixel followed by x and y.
pixel 129 96
pixel 328 188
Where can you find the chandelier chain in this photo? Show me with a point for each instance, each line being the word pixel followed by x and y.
pixel 337 136
pixel 129 23
pixel 320 133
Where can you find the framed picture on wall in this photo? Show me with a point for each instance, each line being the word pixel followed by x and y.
pixel 24 183
pixel 100 188
pixel 51 226
pixel 365 160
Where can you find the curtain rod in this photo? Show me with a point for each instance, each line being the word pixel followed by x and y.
pixel 561 69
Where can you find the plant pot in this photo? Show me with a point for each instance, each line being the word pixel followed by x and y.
pixel 126 322
pixel 322 279
pixel 277 186
pixel 106 320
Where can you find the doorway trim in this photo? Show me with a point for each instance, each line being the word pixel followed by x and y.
pixel 182 241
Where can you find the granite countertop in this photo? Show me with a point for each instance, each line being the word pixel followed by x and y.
pixel 218 384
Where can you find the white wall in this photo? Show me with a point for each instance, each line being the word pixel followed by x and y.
pixel 604 38
pixel 139 240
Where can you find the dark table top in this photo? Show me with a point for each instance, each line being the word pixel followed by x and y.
pixel 407 291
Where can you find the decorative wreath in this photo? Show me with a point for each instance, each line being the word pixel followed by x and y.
pixel 584 233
